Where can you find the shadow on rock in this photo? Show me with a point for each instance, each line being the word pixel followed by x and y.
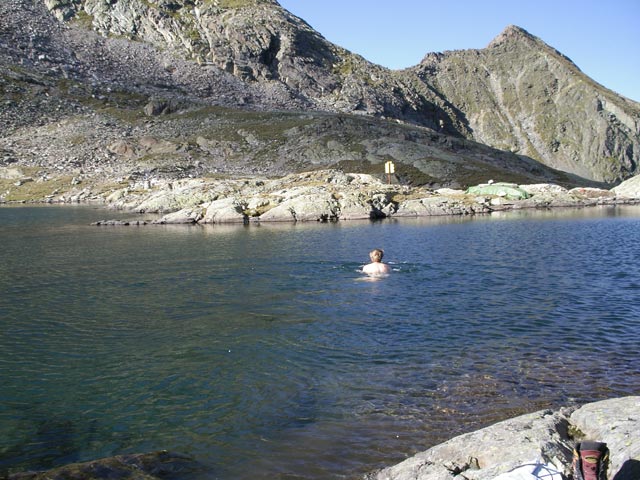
pixel 630 470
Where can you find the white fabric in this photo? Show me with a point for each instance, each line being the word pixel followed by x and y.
pixel 532 471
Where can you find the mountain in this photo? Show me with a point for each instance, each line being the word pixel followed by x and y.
pixel 116 88
pixel 521 95
pixel 259 42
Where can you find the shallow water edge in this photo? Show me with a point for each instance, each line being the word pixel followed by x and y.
pixel 547 437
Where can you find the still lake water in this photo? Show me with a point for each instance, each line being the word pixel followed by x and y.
pixel 262 351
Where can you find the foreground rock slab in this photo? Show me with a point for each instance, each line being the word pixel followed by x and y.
pixel 544 437
pixel 616 422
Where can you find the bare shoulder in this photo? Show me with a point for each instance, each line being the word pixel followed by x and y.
pixel 376 268
pixel 368 268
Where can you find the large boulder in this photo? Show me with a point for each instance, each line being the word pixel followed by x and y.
pixel 547 189
pixel 319 206
pixel 186 216
pixel 225 210
pixel 359 205
pixel 437 205
pixel 510 191
pixel 629 188
pixel 542 195
pixel 591 193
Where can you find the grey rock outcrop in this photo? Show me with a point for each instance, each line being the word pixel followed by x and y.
pixel 187 216
pixel 442 205
pixel 225 210
pixel 331 195
pixel 303 205
pixel 628 188
pixel 547 437
pixel 616 423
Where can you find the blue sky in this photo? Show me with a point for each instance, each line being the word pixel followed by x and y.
pixel 601 37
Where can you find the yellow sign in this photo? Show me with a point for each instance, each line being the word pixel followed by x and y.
pixel 389 167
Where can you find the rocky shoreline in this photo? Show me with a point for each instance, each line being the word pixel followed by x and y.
pixel 331 195
pixel 323 196
pixel 546 437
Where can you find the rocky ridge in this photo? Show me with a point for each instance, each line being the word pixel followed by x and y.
pixel 321 195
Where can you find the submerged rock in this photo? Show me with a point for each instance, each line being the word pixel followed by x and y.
pixel 146 466
pixel 118 223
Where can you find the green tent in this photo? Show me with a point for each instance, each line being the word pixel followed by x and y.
pixel 510 191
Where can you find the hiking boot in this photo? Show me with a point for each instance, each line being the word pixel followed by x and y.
pixel 590 461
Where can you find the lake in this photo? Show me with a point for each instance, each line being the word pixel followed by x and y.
pixel 263 352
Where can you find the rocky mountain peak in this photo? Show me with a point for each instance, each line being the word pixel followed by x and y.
pixel 510 34
pixel 514 36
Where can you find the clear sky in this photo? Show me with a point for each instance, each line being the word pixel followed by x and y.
pixel 602 37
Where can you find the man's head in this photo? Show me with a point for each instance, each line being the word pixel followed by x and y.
pixel 376 255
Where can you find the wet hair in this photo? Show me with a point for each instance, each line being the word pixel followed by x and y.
pixel 376 255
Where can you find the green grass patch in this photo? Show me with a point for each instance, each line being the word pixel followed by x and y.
pixel 34 191
pixel 358 166
pixel 83 19
pixel 410 175
pixel 225 123
pixel 130 116
pixel 469 176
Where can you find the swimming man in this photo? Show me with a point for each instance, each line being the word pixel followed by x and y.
pixel 376 267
